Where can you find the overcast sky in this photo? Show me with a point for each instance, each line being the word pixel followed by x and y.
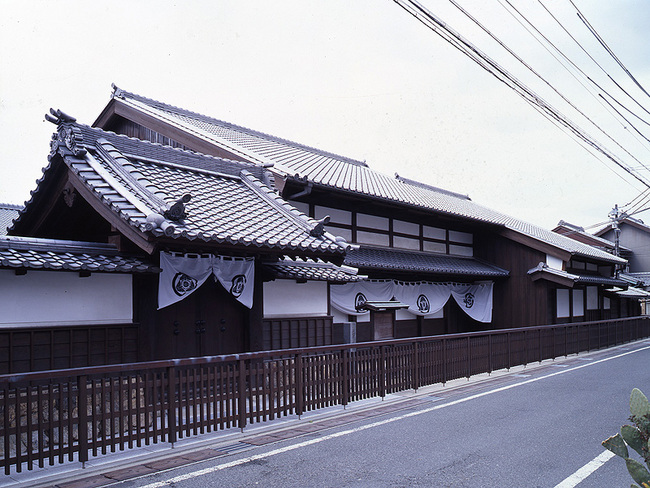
pixel 361 78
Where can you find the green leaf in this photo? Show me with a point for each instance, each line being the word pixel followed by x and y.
pixel 639 405
pixel 616 444
pixel 633 437
pixel 637 471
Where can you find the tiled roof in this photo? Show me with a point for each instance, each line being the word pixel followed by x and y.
pixel 640 279
pixel 578 233
pixel 34 253
pixel 328 170
pixel 8 213
pixel 438 264
pixel 313 270
pixel 543 269
pixel 229 202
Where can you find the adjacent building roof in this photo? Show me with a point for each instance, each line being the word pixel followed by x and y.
pixel 8 213
pixel 145 186
pixel 543 271
pixel 580 234
pixel 422 263
pixel 330 171
pixel 35 253
pixel 313 270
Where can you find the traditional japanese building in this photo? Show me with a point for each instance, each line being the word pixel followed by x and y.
pixel 419 244
pixel 110 212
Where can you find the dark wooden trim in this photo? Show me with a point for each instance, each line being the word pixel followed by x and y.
pixel 125 229
pixel 535 244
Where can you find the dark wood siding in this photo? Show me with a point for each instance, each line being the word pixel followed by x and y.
pixel 518 301
pixel 25 349
pixel 285 333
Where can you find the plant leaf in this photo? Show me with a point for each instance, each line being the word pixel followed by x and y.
pixel 633 437
pixel 639 405
pixel 637 471
pixel 616 444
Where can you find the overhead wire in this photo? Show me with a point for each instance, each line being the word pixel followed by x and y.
pixel 607 48
pixel 544 80
pixel 466 47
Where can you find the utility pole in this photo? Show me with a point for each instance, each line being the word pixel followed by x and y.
pixel 615 215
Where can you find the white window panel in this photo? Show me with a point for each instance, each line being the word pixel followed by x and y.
pixel 461 237
pixel 578 303
pixel 372 238
pixel 439 247
pixel 563 309
pixel 592 298
pixel 434 232
pixel 406 227
pixel 372 221
pixel 406 243
pixel 337 216
pixel 606 303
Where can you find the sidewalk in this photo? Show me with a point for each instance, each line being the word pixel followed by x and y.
pixel 111 468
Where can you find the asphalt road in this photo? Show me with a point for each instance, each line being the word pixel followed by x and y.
pixel 531 429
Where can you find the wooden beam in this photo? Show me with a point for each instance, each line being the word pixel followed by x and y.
pixel 535 244
pixel 124 228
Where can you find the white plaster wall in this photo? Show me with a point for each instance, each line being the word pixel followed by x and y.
pixel 59 297
pixel 283 298
pixel 338 316
pixel 553 262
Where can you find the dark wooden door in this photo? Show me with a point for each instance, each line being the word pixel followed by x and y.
pixel 209 322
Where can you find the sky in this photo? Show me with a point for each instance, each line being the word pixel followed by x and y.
pixel 360 78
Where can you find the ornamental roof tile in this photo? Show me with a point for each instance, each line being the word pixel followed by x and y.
pixel 52 254
pixel 293 160
pixel 230 203
pixel 438 264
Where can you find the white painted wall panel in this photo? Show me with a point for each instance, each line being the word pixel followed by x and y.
pixel 553 262
pixel 285 298
pixel 59 297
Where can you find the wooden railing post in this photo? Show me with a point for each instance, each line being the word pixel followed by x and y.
pixel 172 419
pixel 382 371
pixel 82 409
pixel 444 362
pixel 241 395
pixel 489 354
pixel 346 376
pixel 469 359
pixel 416 367
pixel 300 388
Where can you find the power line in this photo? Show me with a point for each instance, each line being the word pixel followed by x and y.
pixel 466 47
pixel 607 48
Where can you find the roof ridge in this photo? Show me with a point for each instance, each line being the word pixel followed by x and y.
pixel 11 206
pixel 431 187
pixel 120 93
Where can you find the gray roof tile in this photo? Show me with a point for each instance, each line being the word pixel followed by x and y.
pixel 344 174
pixel 420 262
pixel 230 204
pixel 8 213
pixel 35 253
pixel 313 270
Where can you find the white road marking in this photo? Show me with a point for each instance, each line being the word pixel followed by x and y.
pixel 239 462
pixel 578 477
